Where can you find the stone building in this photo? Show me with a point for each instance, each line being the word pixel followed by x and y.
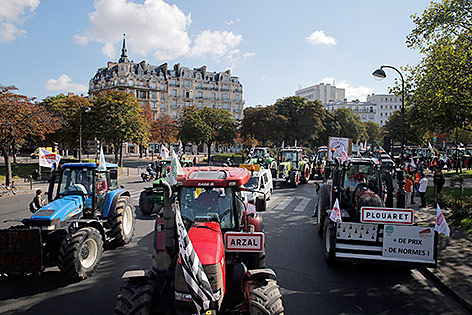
pixel 168 90
pixel 325 93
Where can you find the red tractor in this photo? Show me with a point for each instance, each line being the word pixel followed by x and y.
pixel 209 255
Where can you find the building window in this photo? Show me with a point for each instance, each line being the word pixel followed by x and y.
pixel 174 104
pixel 381 106
pixel 212 85
pixel 198 76
pixel 213 105
pixel 162 86
pixel 237 97
pixel 131 82
pixel 122 81
pixel 212 96
pixel 163 107
pixel 142 94
pixel 153 105
pixel 200 104
pixel 187 103
pixel 153 85
pixel 174 92
pixel 154 95
pixel 141 83
pixel 163 97
pixel 371 116
pixel 199 85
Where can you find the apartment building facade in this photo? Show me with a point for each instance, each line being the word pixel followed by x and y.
pixel 167 91
pixel 387 104
pixel 326 93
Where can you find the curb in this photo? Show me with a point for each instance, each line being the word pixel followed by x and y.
pixel 437 276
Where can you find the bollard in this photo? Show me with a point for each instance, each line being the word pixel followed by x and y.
pixel 127 171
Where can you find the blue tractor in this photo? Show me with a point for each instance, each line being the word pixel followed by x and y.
pixel 87 212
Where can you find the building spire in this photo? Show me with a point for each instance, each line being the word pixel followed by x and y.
pixel 124 57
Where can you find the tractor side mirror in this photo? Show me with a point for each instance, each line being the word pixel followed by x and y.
pixel 113 174
pixel 260 204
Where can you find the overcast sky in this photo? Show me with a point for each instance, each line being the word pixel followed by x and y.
pixel 274 47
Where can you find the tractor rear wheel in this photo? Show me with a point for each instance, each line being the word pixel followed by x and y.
pixel 80 253
pixel 135 297
pixel 264 297
pixel 122 222
pixel 145 204
pixel 305 176
pixel 329 239
pixel 294 179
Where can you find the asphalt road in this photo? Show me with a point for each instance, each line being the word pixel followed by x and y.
pixel 293 249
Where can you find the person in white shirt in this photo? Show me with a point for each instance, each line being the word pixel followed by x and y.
pixel 422 189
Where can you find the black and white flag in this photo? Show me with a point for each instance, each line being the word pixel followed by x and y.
pixel 192 268
pixel 384 156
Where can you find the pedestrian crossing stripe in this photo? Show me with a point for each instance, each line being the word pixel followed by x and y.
pixel 302 205
pixel 284 203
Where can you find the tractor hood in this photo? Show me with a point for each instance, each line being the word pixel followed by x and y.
pixel 60 209
pixel 207 241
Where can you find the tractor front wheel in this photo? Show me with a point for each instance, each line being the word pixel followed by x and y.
pixel 135 297
pixel 145 204
pixel 264 297
pixel 80 253
pixel 294 179
pixel 122 222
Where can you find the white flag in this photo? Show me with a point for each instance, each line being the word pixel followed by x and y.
pixel 335 215
pixel 164 152
pixel 48 158
pixel 175 169
pixel 441 225
pixel 344 157
pixel 102 164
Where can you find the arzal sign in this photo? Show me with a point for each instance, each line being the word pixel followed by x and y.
pixel 244 242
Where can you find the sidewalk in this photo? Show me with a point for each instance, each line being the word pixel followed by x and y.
pixel 454 270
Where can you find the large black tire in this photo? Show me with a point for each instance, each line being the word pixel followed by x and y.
pixel 80 253
pixel 323 204
pixel 305 175
pixel 135 297
pixel 121 223
pixel 294 179
pixel 264 298
pixel 329 241
pixel 145 204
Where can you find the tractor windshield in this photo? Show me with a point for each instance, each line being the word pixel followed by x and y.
pixel 253 183
pixel 259 152
pixel 362 173
pixel 208 204
pixel 289 155
pixel 76 181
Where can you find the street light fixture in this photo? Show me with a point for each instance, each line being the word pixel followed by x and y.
pixel 380 75
pixel 87 110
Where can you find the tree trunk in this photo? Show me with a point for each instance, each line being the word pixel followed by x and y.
pixel 116 149
pixel 141 148
pixel 6 157
pixel 120 164
pixel 209 153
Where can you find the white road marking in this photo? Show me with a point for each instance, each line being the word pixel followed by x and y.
pixel 302 205
pixel 284 203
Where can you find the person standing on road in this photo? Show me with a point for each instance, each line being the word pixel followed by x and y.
pixel 422 189
pixel 37 202
pixel 438 181
pixel 317 189
pixel 408 187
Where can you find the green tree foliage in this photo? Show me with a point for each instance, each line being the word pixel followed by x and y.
pixel 413 133
pixel 263 124
pixel 440 86
pixel 304 119
pixel 374 132
pixel 331 128
pixel 117 117
pixel 67 109
pixel 351 125
pixel 21 119
pixel 207 126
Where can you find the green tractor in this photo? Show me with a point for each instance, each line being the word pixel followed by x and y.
pixel 152 198
pixel 294 167
pixel 261 156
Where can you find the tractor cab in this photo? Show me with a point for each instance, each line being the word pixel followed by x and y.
pixel 86 181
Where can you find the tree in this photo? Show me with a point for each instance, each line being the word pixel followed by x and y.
pixel 331 127
pixel 207 126
pixel 351 125
pixel 20 119
pixel 164 129
pixel 440 86
pixel 67 110
pixel 263 124
pixel 374 132
pixel 117 117
pixel 303 118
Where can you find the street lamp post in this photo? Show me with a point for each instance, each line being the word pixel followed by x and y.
pixel 87 110
pixel 380 73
